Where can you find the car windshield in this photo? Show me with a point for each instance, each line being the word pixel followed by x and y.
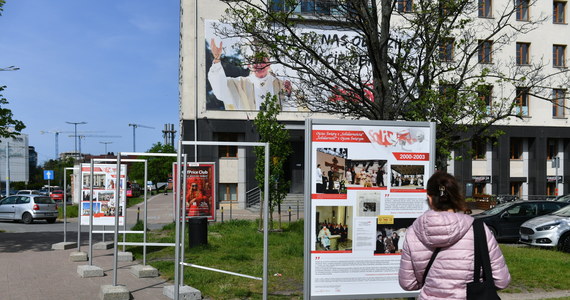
pixel 43 200
pixel 563 198
pixel 563 212
pixel 496 209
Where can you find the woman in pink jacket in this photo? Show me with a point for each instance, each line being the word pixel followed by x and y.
pixel 445 226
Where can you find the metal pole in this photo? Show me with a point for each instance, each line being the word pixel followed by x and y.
pixel 117 211
pixel 196 66
pixel 91 213
pixel 145 210
pixel 177 218
pixel 64 205
pixel 183 212
pixel 7 169
pixel 265 221
pixel 80 209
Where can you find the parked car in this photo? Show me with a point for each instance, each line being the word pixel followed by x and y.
pixel 133 190
pixel 28 192
pixel 505 219
pixel 563 198
pixel 27 208
pixel 57 195
pixel 551 230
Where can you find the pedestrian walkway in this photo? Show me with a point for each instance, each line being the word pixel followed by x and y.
pixel 30 269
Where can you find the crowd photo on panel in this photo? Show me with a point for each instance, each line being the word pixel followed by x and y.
pixel 334 172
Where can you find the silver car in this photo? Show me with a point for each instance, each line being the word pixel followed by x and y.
pixel 27 208
pixel 552 230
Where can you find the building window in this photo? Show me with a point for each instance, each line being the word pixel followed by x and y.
pixel 228 191
pixel 485 8
pixel 516 148
pixel 523 53
pixel 479 149
pixel 485 52
pixel 485 93
pixel 479 188
pixel 516 188
pixel 559 13
pixel 551 148
pixel 446 49
pixel 522 10
pixel 405 5
pixel 227 151
pixel 521 101
pixel 559 56
pixel 322 7
pixel 558 102
pixel 551 189
pixel 447 91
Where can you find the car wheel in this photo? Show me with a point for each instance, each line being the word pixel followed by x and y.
pixel 564 243
pixel 51 220
pixel 27 218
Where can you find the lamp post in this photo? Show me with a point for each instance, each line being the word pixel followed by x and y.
pixel 75 135
pixel 106 143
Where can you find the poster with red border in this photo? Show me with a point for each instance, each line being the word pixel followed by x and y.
pixel 200 195
pixel 367 185
pixel 104 194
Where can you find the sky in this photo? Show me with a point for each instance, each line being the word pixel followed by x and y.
pixel 108 63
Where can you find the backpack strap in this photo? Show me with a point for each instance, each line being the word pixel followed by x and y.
pixel 435 252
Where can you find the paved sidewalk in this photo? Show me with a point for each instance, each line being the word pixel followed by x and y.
pixel 30 269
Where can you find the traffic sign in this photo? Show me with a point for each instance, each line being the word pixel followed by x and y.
pixel 48 174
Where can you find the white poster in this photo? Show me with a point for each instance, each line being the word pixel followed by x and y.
pixel 105 199
pixel 367 187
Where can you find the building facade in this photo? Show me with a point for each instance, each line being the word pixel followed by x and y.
pixel 215 107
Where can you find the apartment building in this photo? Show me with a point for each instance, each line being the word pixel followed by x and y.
pixel 519 162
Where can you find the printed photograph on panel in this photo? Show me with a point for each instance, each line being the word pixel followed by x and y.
pixel 333 226
pixel 366 173
pixel 98 181
pixel 331 165
pixel 390 237
pixel 368 203
pixel 407 177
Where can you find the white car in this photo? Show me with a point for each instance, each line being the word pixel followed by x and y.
pixel 552 230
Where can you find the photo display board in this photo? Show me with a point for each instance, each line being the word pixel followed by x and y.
pixel 367 185
pixel 104 198
pixel 200 190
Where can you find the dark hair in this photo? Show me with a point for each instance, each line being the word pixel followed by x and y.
pixel 445 192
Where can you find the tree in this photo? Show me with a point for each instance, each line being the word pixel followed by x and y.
pixel 159 167
pixel 270 130
pixel 394 60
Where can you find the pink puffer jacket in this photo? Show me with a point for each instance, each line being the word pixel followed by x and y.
pixel 453 266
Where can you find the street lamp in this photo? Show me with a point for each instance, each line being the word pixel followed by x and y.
pixel 75 135
pixel 106 143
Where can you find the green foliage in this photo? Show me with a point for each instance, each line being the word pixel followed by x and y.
pixel 71 210
pixel 270 130
pixel 536 269
pixel 9 127
pixel 58 166
pixel 159 168
pixel 235 246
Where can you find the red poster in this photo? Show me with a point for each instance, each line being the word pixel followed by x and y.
pixel 200 190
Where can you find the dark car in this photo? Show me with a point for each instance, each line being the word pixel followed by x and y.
pixel 505 219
